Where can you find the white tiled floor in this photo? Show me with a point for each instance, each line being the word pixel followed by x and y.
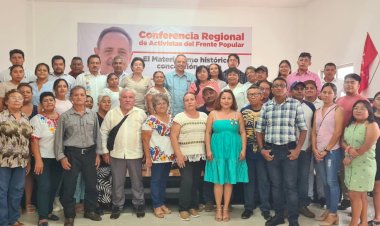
pixel 172 219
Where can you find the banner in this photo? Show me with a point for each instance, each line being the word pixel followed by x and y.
pixel 159 45
pixel 369 55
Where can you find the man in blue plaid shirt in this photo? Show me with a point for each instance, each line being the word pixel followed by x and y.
pixel 279 120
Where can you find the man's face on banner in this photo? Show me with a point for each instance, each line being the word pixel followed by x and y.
pixel 113 44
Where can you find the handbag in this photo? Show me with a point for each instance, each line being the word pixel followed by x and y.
pixel 112 134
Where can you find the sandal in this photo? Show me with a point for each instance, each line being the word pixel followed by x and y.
pixel 166 209
pixel 226 215
pixel 30 208
pixel 218 214
pixel 158 212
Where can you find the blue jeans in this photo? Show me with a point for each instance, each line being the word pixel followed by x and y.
pixel 328 170
pixel 304 160
pixel 160 175
pixel 283 174
pixel 12 181
pixel 47 185
pixel 258 180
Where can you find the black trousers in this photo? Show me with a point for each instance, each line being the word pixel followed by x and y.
pixel 80 162
pixel 188 191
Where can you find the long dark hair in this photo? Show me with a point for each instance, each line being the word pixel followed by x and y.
pixel 220 72
pixel 218 106
pixel 286 62
pixel 198 82
pixel 371 116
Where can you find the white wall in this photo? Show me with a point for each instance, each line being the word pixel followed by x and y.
pixel 330 30
pixel 336 30
pixel 54 26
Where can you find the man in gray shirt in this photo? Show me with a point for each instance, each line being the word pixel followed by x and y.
pixel 76 146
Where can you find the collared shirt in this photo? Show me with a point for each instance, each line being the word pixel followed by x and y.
pixel 43 130
pixel 75 75
pixel 297 77
pixel 14 140
pixel 75 130
pixel 69 79
pixel 242 78
pixel 279 122
pixel 122 77
pixel 339 86
pixel 94 85
pixel 28 76
pixel 240 94
pixel 177 87
pixel 128 144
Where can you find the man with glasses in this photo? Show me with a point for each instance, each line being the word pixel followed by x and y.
pixel 281 149
pixel 257 168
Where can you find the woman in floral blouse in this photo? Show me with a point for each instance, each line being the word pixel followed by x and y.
pixel 158 151
pixel 15 132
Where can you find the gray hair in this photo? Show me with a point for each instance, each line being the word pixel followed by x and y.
pixel 118 57
pixel 75 88
pixel 127 90
pixel 158 97
pixel 101 96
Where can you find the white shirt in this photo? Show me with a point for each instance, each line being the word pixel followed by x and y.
pixel 240 95
pixel 44 129
pixel 308 114
pixel 128 143
pixel 94 85
pixel 339 86
pixel 114 96
pixel 69 79
pixel 28 76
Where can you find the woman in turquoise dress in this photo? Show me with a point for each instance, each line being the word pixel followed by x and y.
pixel 225 148
pixel 359 142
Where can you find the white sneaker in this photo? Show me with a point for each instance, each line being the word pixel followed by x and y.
pixel 57 205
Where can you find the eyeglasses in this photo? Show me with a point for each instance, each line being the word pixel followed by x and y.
pixel 254 94
pixel 16 99
pixel 281 86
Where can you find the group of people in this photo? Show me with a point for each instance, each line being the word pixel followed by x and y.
pixel 234 126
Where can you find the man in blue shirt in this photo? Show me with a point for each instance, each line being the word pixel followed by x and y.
pixel 178 82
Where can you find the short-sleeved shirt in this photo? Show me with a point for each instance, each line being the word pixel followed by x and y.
pixel 192 135
pixel 177 87
pixel 251 117
pixel 14 140
pixel 279 122
pixel 160 147
pixel 308 112
pixel 347 102
pixel 44 130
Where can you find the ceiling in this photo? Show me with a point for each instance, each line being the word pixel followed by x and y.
pixel 199 3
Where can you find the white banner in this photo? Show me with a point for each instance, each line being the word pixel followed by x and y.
pixel 158 45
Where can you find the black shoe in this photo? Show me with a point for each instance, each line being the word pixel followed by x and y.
pixel 344 204
pixel 266 215
pixel 53 217
pixel 246 214
pixel 276 220
pixel 140 211
pixel 294 223
pixel 69 222
pixel 373 223
pixel 92 216
pixel 115 212
pixel 306 212
pixel 322 202
pixel 43 223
